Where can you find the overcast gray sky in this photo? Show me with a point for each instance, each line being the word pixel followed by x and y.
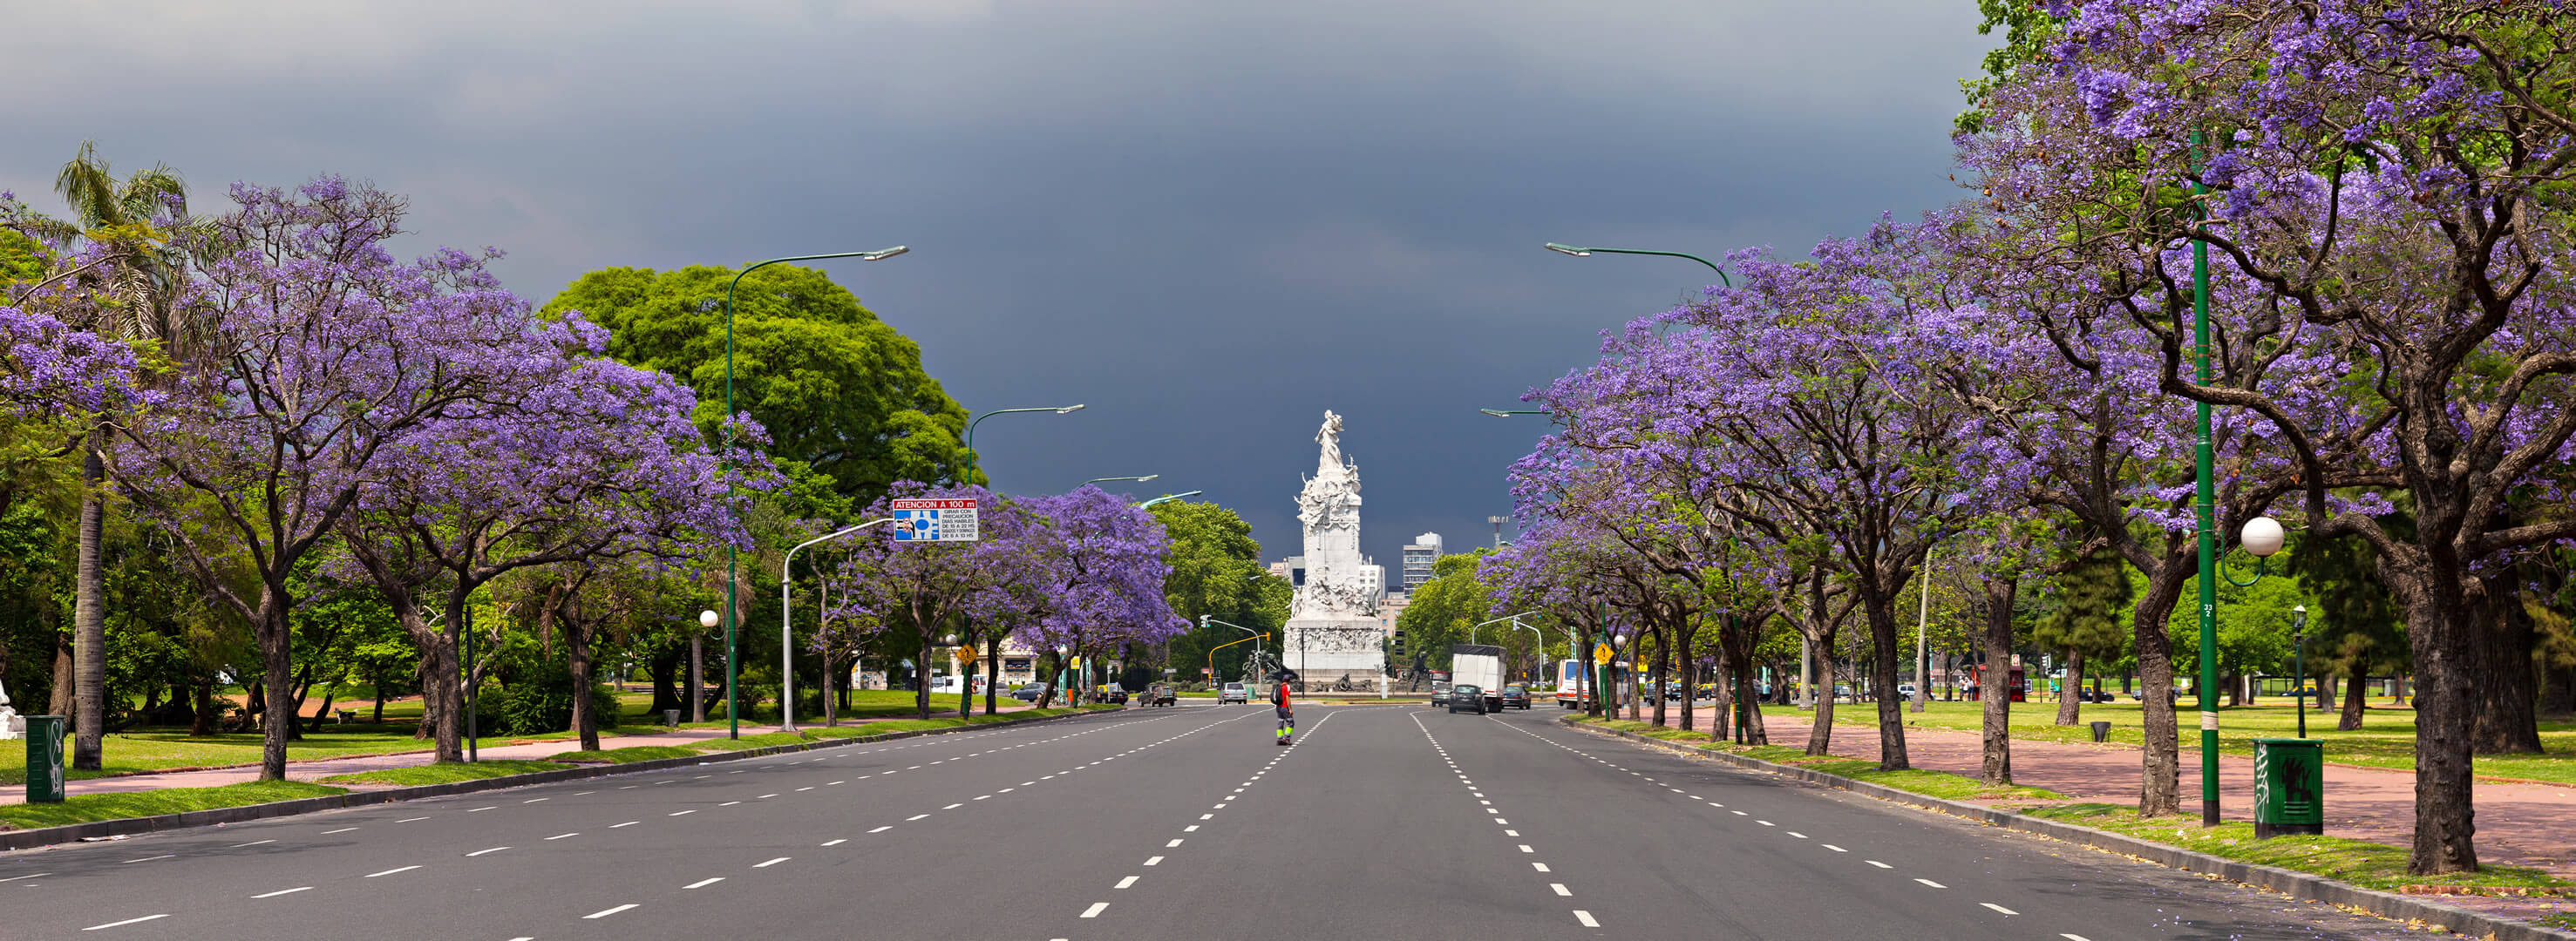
pixel 1210 220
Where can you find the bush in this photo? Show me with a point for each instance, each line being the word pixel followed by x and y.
pixel 538 699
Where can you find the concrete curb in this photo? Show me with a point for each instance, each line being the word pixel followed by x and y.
pixel 129 826
pixel 2298 885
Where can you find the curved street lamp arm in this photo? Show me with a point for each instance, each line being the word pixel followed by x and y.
pixel 787 624
pixel 1582 252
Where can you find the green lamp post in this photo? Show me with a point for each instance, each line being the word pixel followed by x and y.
pixel 1579 252
pixel 1140 480
pixel 1169 497
pixel 976 461
pixel 732 614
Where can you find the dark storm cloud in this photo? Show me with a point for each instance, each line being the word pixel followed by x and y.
pixel 1210 221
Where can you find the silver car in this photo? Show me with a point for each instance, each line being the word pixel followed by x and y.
pixel 1233 692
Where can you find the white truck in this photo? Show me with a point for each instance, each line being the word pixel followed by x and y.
pixel 1481 664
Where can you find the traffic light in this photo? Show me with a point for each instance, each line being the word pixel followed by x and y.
pixel 1399 643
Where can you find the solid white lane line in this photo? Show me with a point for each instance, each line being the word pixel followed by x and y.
pixel 765 865
pixel 603 913
pixel 764 797
pixel 830 783
pixel 804 789
pixel 37 875
pixel 1797 834
pixel 915 817
pixel 984 797
pixel 271 895
pixel 535 799
pixel 954 806
pixel 251 843
pixel 1931 883
pixel 562 835
pixel 1999 908
pixel 1094 910
pixel 835 842
pixel 151 858
pixel 626 824
pixel 1561 889
pixel 389 872
pixel 1130 880
pixel 882 829
pixel 1156 861
pixel 1766 823
pixel 495 849
pixel 1878 864
pixel 1834 848
pixel 2075 937
pixel 728 803
pixel 128 921
pixel 682 813
pixel 410 819
pixel 1586 918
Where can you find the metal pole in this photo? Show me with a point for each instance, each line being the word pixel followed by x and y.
pixel 733 723
pixel 787 623
pixel 471 753
pixel 2205 512
pixel 1922 630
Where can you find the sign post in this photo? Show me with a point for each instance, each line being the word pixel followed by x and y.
pixel 935 520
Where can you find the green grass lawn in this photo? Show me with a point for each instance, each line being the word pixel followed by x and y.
pixel 1940 784
pixel 93 807
pixel 2369 865
pixel 2386 738
pixel 444 772
pixel 627 755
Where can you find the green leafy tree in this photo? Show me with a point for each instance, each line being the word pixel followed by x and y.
pixel 1445 607
pixel 2085 626
pixel 1217 572
pixel 843 396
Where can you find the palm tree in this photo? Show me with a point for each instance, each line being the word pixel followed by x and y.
pixel 141 292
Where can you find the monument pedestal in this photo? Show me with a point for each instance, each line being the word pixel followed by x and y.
pixel 1323 650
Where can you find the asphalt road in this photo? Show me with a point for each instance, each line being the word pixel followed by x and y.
pixel 1187 823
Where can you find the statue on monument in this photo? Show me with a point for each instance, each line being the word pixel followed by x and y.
pixel 1331 438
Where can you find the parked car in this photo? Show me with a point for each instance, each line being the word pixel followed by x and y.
pixel 1515 697
pixel 1160 694
pixel 1468 696
pixel 1233 692
pixel 1905 691
pixel 1110 694
pixel 1030 692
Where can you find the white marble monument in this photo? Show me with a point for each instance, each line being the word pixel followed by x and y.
pixel 1333 629
pixel 10 725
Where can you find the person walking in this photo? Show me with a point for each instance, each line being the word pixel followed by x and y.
pixel 1287 713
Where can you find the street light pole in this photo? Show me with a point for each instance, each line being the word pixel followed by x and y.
pixel 975 461
pixel 2205 516
pixel 1588 252
pixel 733 613
pixel 1169 497
pixel 787 624
pixel 1515 618
pixel 1140 480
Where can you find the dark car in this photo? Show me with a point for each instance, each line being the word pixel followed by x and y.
pixel 1029 693
pixel 1515 697
pixel 1468 695
pixel 1111 695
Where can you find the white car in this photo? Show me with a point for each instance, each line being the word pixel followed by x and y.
pixel 1233 692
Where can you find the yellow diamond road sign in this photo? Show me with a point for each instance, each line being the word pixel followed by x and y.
pixel 1601 654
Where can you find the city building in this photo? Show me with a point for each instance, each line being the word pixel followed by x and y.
pixel 1418 556
pixel 1292 568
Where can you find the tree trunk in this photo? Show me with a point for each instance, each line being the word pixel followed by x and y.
pixel 1662 658
pixel 2070 701
pixel 58 699
pixel 2506 685
pixel 205 723
pixel 665 670
pixel 585 720
pixel 1882 674
pixel 1750 730
pixel 89 619
pixel 1998 641
pixel 277 647
pixel 2160 764
pixel 992 673
pixel 1688 678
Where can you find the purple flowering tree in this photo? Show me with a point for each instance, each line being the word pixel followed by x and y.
pixel 591 466
pixel 1096 569
pixel 911 591
pixel 2388 175
pixel 324 361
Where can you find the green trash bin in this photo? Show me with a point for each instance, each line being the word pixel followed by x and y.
pixel 2289 786
pixel 45 758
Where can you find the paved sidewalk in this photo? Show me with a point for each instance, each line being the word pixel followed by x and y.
pixel 326 767
pixel 2518 824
